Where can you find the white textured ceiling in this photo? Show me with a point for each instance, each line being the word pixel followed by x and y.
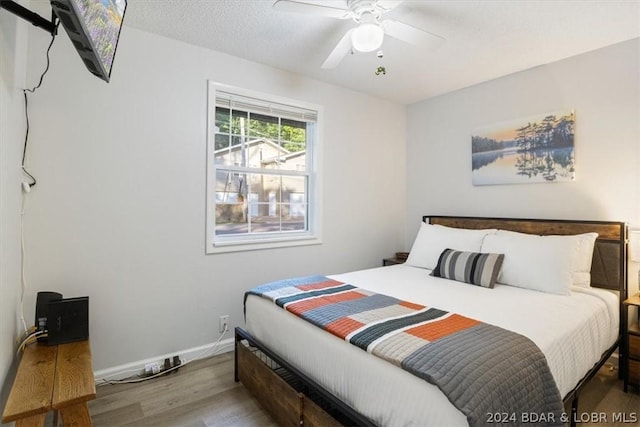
pixel 485 39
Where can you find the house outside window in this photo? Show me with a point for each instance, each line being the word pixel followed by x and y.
pixel 262 171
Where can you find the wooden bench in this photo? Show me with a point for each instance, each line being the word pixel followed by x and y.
pixel 58 378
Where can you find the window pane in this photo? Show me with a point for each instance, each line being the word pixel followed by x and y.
pixel 266 189
pixel 231 228
pixel 275 203
pixel 261 126
pixel 225 155
pixel 230 210
pixel 274 156
pixel 294 135
pixel 294 146
pixel 222 141
pixel 238 121
pixel 295 161
pixel 230 182
pixel 294 203
pixel 254 152
pixel 223 120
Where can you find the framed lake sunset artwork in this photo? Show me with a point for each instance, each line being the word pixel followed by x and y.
pixel 530 150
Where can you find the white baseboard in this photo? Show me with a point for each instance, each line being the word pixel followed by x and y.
pixel 129 369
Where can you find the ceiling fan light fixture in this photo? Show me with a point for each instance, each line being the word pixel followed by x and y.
pixel 368 36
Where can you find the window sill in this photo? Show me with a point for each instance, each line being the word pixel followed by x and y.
pixel 253 245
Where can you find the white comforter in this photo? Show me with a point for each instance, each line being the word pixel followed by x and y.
pixel 572 332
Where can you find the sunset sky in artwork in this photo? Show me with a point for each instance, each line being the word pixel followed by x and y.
pixel 502 135
pixel 507 131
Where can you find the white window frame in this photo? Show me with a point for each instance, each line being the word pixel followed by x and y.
pixel 232 243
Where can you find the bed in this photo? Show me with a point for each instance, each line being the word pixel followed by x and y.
pixel 576 328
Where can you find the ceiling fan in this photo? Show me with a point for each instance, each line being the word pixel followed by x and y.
pixel 369 34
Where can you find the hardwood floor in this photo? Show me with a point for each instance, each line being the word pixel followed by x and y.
pixel 203 393
pixel 200 394
pixel 603 399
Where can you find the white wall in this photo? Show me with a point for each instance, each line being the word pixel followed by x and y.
pixel 13 50
pixel 119 210
pixel 602 86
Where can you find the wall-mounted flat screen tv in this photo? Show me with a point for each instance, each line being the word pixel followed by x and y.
pixel 94 28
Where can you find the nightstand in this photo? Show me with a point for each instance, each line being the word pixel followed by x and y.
pixel 631 337
pixel 399 258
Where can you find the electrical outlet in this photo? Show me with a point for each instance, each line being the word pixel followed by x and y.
pixel 224 323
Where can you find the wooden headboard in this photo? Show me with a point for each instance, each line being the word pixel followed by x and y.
pixel 609 266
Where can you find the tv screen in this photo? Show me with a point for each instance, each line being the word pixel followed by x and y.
pixel 94 28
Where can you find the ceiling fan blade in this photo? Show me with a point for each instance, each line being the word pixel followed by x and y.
pixel 312 8
pixel 389 4
pixel 411 34
pixel 342 48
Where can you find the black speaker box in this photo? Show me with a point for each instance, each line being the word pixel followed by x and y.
pixel 63 319
pixel 42 308
pixel 68 320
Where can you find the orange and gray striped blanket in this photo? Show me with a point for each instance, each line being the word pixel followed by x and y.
pixel 482 369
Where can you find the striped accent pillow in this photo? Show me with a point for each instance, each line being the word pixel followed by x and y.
pixel 470 267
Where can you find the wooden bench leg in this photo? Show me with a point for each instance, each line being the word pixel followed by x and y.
pixel 32 421
pixel 76 415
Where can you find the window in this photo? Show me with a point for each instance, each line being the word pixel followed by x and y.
pixel 262 171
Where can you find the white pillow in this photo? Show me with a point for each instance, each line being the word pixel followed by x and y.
pixel 582 272
pixel 433 239
pixel 543 263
